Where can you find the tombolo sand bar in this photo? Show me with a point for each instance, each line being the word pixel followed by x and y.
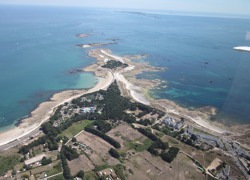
pixel 29 126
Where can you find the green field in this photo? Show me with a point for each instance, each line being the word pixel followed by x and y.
pixel 138 146
pixel 90 176
pixel 56 169
pixel 75 128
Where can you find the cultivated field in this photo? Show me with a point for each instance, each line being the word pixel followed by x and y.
pixel 99 154
pixel 124 133
pixel 145 164
pixel 81 163
pixel 182 168
pixel 205 157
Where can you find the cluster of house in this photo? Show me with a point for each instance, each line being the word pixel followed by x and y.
pixel 88 109
pixel 243 157
pixel 108 174
pixel 240 151
pixel 203 138
pixel 171 122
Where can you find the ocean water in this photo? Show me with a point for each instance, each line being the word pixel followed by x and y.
pixel 38 51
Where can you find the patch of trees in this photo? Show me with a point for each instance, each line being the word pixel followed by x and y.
pixel 80 174
pixel 144 107
pixel 145 122
pixel 147 110
pixel 70 153
pixel 66 170
pixel 170 155
pixel 112 64
pixel 156 146
pixel 168 131
pixel 114 153
pixel 56 114
pixel 26 149
pixel 8 162
pixel 46 161
pixel 149 134
pixel 103 126
pixel 115 104
pixel 159 147
pixel 188 141
pixel 103 136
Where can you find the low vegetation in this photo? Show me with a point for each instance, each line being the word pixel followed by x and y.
pixel 103 136
pixel 138 146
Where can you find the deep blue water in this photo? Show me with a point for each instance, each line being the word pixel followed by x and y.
pixel 38 50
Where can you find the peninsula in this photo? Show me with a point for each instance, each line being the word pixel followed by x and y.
pixel 116 130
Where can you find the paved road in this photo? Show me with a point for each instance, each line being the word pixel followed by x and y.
pixel 20 140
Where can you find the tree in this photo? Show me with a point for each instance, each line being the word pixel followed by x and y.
pixel 193 137
pixel 80 174
pixel 74 139
pixel 114 153
pixel 45 161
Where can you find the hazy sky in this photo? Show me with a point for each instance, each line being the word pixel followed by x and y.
pixel 214 6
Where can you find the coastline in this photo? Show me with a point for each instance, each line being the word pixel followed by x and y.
pixel 44 110
pixel 127 80
pixel 136 88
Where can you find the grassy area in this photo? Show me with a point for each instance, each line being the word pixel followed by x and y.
pixel 8 162
pixel 159 134
pixel 90 176
pixel 119 169
pixel 138 146
pixel 173 141
pixel 202 132
pixel 75 128
pixel 56 169
pixel 99 168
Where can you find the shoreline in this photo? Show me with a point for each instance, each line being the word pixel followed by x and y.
pixel 125 77
pixel 44 110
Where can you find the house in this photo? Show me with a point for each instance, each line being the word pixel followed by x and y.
pixel 34 159
pixel 211 140
pixel 171 122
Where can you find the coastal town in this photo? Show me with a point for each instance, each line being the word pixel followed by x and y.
pixel 113 132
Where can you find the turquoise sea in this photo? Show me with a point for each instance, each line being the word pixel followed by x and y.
pixel 37 52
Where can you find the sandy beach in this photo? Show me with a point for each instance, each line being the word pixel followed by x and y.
pixel 44 110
